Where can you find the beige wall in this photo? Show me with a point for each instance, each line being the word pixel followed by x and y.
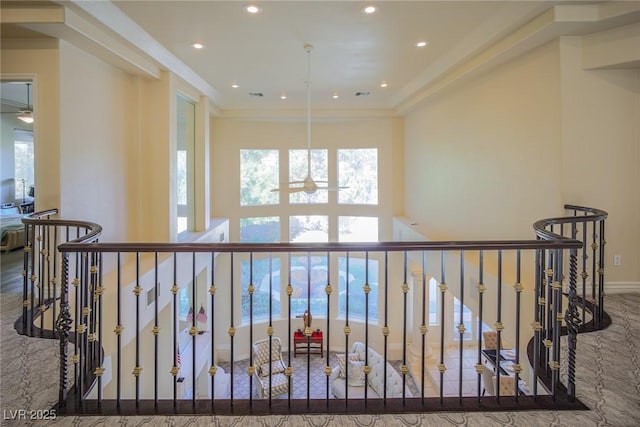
pixel 97 128
pixel 601 152
pixel 483 161
pixel 487 159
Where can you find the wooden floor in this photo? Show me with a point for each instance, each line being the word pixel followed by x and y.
pixel 11 271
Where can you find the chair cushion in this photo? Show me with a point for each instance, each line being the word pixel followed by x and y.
pixel 276 368
pixel 342 361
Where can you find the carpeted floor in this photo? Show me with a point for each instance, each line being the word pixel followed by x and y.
pixel 608 381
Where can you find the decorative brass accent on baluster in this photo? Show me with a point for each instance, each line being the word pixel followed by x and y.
pixel 499 326
pixel 39 237
pixel 479 367
pixel 137 371
pixel 91 337
pixel 137 290
pixel 481 288
pixel 99 290
pixel 118 330
pixel 547 343
pixel 174 370
pixel 81 329
pixel 423 329
pixel 308 331
pixel 232 331
pixel 461 328
pixel 251 370
pixel 289 289
pixel 549 272
pixel 594 246
pixel 443 287
pixel 93 269
pixel 289 371
pixel 53 281
pixel 442 367
pixel 86 311
pixel 270 330
pixel 518 287
pixel 33 277
pixel 155 330
pixel 75 358
pixel 327 370
pixel 405 288
pixel 43 252
pixel 347 330
pixel 584 275
pixel 366 369
pixel 250 289
pixel 213 370
pixel 42 308
pixel 560 317
pixel 25 303
pixel 212 290
pixel 27 249
pixel 328 289
pixel 366 288
pixel 404 369
pixel 557 285
pixel 75 282
pixel 385 331
pixel 554 365
pixel 601 271
pixel 24 273
pixel 174 289
pixel 536 326
pixel 517 368
pixel 193 331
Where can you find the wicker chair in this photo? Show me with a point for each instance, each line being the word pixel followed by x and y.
pixel 269 368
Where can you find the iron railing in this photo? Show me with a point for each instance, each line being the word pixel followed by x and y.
pixel 121 316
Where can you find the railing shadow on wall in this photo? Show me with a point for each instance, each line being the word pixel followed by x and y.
pixel 129 346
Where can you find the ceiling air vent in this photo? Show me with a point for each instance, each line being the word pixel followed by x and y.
pixel 256 94
pixel 363 93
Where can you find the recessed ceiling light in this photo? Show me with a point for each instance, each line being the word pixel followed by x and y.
pixel 369 9
pixel 384 84
pixel 283 96
pixel 252 8
pixel 422 43
pixel 235 86
pixel 197 45
pixel 335 95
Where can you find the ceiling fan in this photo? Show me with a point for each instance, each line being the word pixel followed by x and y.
pixel 24 114
pixel 308 184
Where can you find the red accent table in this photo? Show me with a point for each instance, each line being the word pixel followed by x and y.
pixel 308 345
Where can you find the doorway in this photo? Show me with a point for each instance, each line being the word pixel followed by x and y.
pixel 17 179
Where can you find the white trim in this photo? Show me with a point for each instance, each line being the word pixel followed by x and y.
pixel 621 287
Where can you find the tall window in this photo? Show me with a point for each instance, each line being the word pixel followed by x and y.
pixel 265 275
pixel 357 229
pixel 309 228
pixel 358 170
pixel 317 169
pixel 23 162
pixel 260 229
pixel 185 164
pixel 309 280
pixel 258 176
pixel 352 278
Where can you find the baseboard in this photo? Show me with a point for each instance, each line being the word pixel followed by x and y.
pixel 621 287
